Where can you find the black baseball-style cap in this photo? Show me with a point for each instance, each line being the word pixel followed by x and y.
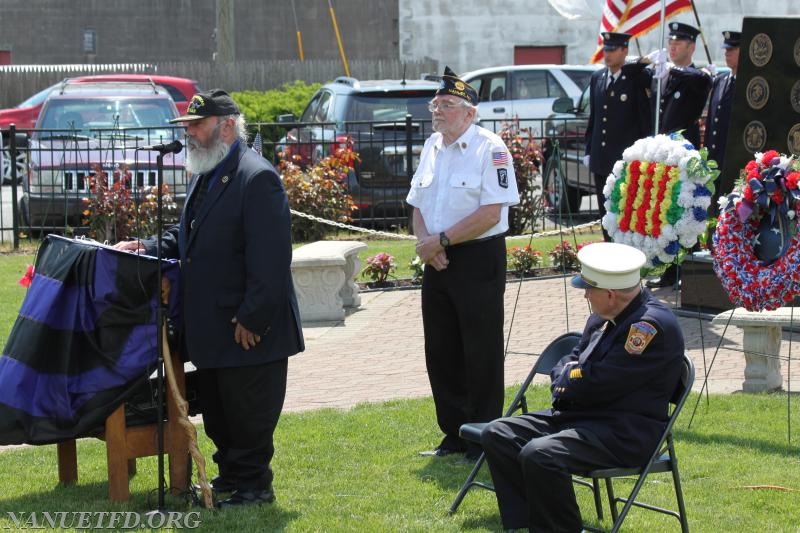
pixel 612 41
pixel 731 39
pixel 453 85
pixel 213 103
pixel 679 30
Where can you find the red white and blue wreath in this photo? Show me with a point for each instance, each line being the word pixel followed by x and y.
pixel 756 246
pixel 657 198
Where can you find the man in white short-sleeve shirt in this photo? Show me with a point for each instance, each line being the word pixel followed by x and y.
pixel 461 192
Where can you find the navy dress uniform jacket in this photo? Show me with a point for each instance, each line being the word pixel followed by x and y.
pixel 619 116
pixel 683 98
pixel 621 397
pixel 719 117
pixel 236 263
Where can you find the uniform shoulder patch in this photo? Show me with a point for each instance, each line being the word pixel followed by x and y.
pixel 639 336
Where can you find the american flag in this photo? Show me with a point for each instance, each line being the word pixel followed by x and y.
pixel 636 17
pixel 257 143
pixel 500 159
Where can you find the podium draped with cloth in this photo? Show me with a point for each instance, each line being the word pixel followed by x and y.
pixel 84 342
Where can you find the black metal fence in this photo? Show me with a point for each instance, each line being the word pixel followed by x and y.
pixel 53 180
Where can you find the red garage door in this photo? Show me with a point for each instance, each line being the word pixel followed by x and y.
pixel 538 55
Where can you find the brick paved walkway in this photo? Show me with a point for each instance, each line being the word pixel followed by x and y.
pixel 376 353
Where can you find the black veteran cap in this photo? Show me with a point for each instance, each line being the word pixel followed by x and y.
pixel 609 265
pixel 679 30
pixel 731 39
pixel 213 103
pixel 451 84
pixel 612 41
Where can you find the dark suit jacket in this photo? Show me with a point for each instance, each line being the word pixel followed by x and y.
pixel 619 116
pixel 683 97
pixel 236 263
pixel 719 118
pixel 620 396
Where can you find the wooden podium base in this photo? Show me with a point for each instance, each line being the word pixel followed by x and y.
pixel 124 445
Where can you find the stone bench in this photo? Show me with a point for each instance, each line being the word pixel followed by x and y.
pixel 324 275
pixel 761 343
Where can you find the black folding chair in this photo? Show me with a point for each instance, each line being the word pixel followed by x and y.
pixel 662 460
pixel 554 351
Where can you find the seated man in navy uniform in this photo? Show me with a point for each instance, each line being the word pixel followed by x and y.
pixel 610 398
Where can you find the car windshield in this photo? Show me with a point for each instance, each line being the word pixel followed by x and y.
pixel 140 118
pixel 390 106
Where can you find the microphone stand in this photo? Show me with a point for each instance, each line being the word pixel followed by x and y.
pixel 174 147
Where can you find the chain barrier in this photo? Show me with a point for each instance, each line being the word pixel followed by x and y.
pixel 579 228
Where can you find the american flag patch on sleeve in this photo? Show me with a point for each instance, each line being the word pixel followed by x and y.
pixel 500 159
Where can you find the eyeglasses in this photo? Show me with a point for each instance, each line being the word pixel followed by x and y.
pixel 444 106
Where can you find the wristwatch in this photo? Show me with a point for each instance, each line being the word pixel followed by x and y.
pixel 443 240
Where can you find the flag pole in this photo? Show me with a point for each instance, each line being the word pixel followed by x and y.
pixel 702 34
pixel 658 80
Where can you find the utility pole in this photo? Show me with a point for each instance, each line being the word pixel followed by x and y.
pixel 225 32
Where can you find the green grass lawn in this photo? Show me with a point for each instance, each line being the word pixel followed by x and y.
pixel 358 470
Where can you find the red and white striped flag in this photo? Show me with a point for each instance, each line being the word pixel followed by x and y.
pixel 635 17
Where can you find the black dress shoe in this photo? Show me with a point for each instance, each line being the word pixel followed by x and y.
pixel 219 485
pixel 241 498
pixel 656 283
pixel 439 452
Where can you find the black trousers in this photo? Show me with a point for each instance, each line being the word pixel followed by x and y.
pixel 462 315
pixel 599 185
pixel 241 407
pixel 530 460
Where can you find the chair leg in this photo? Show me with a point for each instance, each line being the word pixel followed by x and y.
pixel 612 500
pixel 676 479
pixel 468 484
pixel 598 505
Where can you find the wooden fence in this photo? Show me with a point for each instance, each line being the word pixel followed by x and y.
pixel 18 82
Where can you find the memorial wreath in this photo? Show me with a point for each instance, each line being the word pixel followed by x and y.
pixel 756 247
pixel 657 198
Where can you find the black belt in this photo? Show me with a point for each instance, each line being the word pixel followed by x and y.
pixel 478 241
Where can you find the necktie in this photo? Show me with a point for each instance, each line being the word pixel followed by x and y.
pixel 597 335
pixel 729 83
pixel 199 196
pixel 611 80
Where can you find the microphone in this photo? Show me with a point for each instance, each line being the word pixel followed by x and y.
pixel 169 148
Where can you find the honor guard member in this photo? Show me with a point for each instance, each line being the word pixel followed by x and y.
pixel 719 107
pixel 685 90
pixel 684 93
pixel 610 397
pixel 620 111
pixel 460 193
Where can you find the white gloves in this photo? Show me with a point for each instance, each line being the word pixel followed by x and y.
pixel 586 160
pixel 711 68
pixel 657 56
pixel 661 66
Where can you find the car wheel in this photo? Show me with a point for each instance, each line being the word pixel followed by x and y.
pixel 558 196
pixel 22 165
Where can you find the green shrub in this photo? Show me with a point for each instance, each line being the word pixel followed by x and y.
pixel 320 190
pixel 266 106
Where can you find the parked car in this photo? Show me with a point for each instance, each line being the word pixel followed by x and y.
pixel 372 115
pixel 525 91
pixel 82 125
pixel 24 115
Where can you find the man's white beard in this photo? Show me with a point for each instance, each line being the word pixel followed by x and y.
pixel 200 160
